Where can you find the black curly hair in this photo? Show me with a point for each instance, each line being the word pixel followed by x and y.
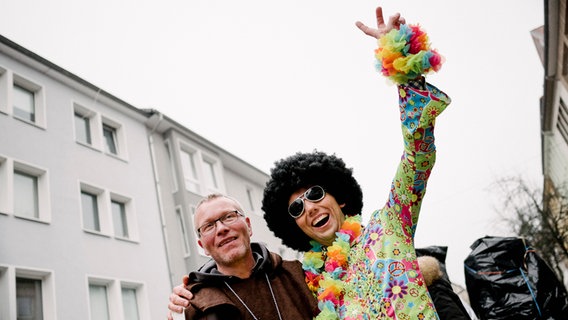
pixel 303 170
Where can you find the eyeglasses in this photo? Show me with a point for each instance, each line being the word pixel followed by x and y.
pixel 313 194
pixel 227 219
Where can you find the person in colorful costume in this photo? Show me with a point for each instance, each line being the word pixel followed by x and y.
pixel 313 202
pixel 359 272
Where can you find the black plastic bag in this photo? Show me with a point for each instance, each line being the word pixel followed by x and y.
pixel 506 279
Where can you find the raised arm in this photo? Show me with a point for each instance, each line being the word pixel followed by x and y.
pixel 404 56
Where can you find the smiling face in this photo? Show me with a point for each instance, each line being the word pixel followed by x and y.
pixel 320 220
pixel 228 245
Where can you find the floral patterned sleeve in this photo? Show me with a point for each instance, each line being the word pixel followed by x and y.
pixel 418 110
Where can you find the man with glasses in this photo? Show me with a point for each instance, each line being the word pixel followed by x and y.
pixel 243 280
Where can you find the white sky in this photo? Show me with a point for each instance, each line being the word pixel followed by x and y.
pixel 264 79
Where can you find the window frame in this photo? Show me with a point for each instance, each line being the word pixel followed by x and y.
pixel 190 172
pixel 39 105
pixel 38 292
pixel 30 192
pixel 181 221
pixel 5 80
pixel 211 173
pixel 21 111
pixel 104 221
pixel 90 117
pixel 141 302
pixel 118 137
pixel 5 185
pixel 174 171
pixel 43 194
pixel 208 168
pixel 252 200
pixel 107 284
pixel 8 303
pixel 115 298
pixel 129 216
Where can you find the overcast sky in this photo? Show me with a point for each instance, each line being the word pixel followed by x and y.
pixel 264 79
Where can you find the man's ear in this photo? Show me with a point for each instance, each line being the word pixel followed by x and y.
pixel 201 245
pixel 248 226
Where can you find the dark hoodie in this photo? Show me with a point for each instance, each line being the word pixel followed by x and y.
pixel 448 304
pixel 213 300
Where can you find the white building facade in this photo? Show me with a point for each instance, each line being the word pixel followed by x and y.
pixel 97 197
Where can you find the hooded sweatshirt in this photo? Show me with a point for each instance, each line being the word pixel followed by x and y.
pixel 447 302
pixel 275 285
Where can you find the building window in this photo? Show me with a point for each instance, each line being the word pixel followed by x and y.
pixel 201 171
pixel 109 135
pixel 30 192
pixel 98 301
pixel 26 294
pixel 24 103
pixel 27 101
pixel 83 126
pixel 116 299
pixel 107 213
pixel 5 195
pixel 114 142
pixel 26 200
pixel 4 89
pixel 565 61
pixel 562 123
pixel 210 175
pixel 251 200
pixel 172 166
pixel 99 132
pixel 119 218
pixel 83 129
pixel 183 231
pixel 90 208
pixel 29 303
pixel 188 165
pixel 130 304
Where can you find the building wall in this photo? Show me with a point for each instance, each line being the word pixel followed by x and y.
pixel 235 178
pixel 555 113
pixel 148 175
pixel 556 140
pixel 56 248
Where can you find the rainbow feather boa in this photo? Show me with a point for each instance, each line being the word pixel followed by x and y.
pixel 326 268
pixel 405 54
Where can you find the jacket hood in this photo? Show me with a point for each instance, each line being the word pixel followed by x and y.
pixel 265 261
pixel 430 268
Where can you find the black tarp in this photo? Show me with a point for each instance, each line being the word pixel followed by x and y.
pixel 507 280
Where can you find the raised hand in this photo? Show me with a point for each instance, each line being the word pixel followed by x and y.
pixel 394 23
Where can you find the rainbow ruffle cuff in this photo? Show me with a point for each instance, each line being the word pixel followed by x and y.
pixel 405 54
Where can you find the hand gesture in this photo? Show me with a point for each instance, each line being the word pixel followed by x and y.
pixel 394 23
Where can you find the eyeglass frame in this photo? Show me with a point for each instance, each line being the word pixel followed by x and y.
pixel 304 197
pixel 220 219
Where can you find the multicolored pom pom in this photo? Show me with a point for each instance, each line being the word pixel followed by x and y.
pixel 405 54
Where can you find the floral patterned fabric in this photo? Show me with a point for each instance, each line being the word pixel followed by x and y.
pixel 383 281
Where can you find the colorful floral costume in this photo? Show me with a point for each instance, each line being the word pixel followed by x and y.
pixel 381 279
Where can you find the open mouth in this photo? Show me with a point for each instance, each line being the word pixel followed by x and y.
pixel 321 221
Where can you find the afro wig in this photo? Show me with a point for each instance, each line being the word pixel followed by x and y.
pixel 303 170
